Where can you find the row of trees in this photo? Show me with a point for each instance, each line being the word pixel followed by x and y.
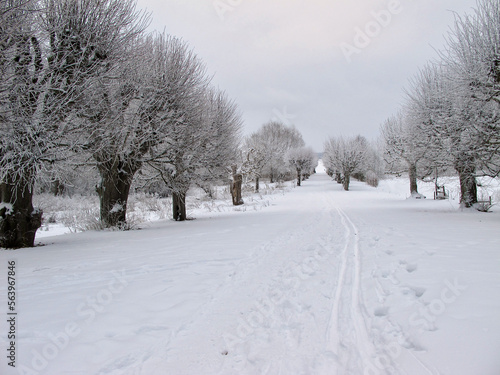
pixel 274 151
pixel 304 161
pixel 450 119
pixel 81 83
pixel 351 157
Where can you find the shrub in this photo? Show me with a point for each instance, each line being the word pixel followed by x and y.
pixel 372 179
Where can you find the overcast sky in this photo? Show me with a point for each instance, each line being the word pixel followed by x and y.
pixel 306 62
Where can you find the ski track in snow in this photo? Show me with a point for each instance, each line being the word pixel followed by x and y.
pixel 347 331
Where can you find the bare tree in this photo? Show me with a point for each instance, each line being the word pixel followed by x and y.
pixel 473 60
pixel 405 142
pixel 456 102
pixel 345 156
pixel 53 51
pixel 140 112
pixel 277 139
pixel 254 158
pixel 201 148
pixel 303 160
pixel 20 70
pixel 446 114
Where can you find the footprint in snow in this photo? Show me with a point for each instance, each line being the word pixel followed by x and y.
pixel 381 311
pixel 410 268
pixel 374 241
pixel 414 291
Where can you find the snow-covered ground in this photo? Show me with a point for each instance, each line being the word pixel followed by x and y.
pixel 71 214
pixel 316 281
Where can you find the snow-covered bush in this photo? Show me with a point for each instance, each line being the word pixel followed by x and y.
pixel 372 179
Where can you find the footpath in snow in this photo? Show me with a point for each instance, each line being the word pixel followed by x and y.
pixel 321 282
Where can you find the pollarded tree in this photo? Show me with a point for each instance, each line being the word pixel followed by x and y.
pixel 277 139
pixel 200 149
pixel 473 59
pixel 138 112
pixel 21 69
pixel 404 142
pixel 53 50
pixel 345 156
pixel 254 158
pixel 303 160
pixel 457 102
pixel 447 115
pixel 118 136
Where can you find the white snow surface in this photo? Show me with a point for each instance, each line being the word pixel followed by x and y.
pixel 322 281
pixel 320 169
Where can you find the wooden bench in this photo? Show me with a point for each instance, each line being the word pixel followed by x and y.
pixel 487 201
pixel 484 205
pixel 440 193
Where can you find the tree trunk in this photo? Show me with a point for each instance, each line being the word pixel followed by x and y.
pixel 257 187
pixel 347 180
pixel 412 172
pixel 466 169
pixel 179 206
pixel 338 178
pixel 18 220
pixel 57 187
pixel 236 189
pixel 299 177
pixel 114 189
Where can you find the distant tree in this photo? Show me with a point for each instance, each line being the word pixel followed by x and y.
pixel 254 158
pixel 345 156
pixel 277 139
pixel 303 160
pixel 405 143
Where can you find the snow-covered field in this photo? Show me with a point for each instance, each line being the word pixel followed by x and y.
pixel 315 281
pixel 64 214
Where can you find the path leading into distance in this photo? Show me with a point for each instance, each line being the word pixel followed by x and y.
pixel 320 282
